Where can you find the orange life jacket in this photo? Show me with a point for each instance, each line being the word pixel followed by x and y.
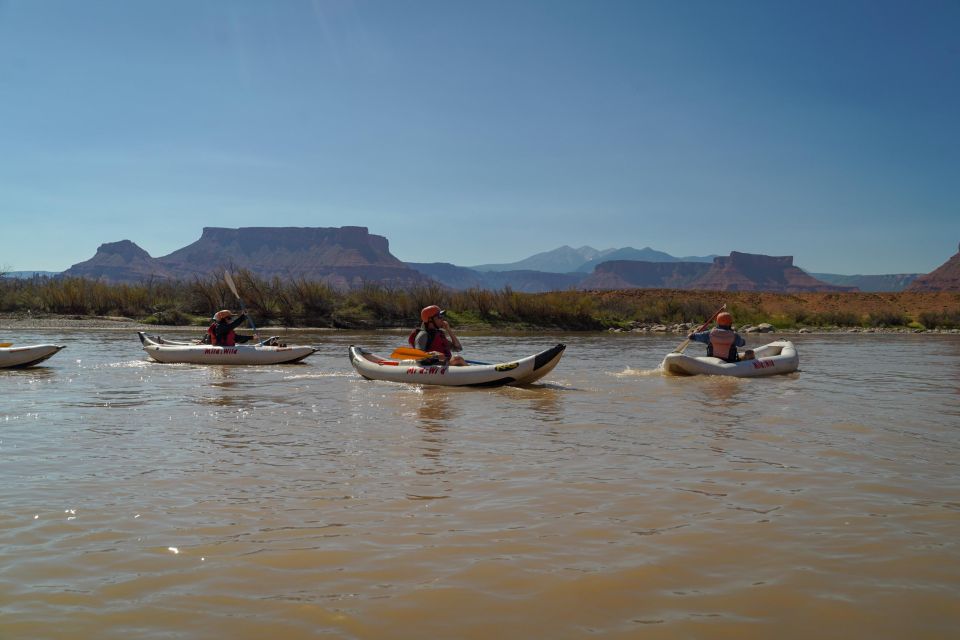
pixel 229 341
pixel 723 344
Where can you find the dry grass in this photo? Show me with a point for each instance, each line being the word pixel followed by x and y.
pixel 307 303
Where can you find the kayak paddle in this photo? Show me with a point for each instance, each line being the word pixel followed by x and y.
pixel 233 288
pixel 401 353
pixel 406 353
pixel 699 329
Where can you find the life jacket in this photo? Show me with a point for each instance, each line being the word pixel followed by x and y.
pixel 229 340
pixel 436 341
pixel 723 344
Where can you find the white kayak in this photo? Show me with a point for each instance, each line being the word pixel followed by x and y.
pixel 769 360
pixel 512 372
pixel 269 351
pixel 27 356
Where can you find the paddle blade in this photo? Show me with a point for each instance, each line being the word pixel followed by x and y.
pixel 233 287
pixel 406 353
pixel 6 344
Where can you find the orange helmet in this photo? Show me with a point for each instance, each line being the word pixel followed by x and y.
pixel 724 319
pixel 428 312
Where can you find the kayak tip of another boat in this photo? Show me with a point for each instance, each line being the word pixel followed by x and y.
pixel 28 355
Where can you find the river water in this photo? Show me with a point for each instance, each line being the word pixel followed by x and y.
pixel 145 500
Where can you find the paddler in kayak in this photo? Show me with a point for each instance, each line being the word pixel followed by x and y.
pixel 722 341
pixel 436 336
pixel 221 330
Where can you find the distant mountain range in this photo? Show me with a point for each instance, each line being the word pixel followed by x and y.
pixel 349 257
pixel 31 274
pixel 566 259
pixel 892 282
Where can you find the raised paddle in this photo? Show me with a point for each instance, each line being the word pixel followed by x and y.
pixel 233 287
pixel 699 329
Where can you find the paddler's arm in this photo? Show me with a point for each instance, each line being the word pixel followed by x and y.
pixel 454 340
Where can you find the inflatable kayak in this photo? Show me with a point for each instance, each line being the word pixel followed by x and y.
pixel 269 351
pixel 512 372
pixel 27 356
pixel 769 360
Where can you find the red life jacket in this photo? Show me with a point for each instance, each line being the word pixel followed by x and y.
pixel 230 341
pixel 436 341
pixel 723 344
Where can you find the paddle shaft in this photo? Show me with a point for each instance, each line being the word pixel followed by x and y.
pixel 233 288
pixel 699 329
pixel 406 353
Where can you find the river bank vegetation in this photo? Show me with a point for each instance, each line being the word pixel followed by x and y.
pixel 302 303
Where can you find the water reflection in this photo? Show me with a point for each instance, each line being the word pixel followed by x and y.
pixel 434 412
pixel 543 401
pixel 38 373
pixel 227 389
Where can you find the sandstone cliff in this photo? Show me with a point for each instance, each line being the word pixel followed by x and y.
pixel 754 272
pixel 736 272
pixel 346 257
pixel 946 277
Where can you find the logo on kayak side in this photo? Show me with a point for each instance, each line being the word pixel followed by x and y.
pixel 430 371
pixel 507 367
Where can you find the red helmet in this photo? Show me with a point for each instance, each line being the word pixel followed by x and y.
pixel 428 312
pixel 725 319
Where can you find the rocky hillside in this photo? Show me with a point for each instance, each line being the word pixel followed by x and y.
pixel 946 277
pixel 345 257
pixel 121 261
pixel 736 272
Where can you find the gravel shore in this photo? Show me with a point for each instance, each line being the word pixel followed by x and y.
pixel 12 322
pixel 45 321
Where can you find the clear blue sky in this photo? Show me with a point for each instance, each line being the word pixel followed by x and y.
pixel 474 132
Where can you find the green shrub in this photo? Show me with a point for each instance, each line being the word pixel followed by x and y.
pixel 887 318
pixel 940 319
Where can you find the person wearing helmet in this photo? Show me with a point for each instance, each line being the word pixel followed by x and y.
pixel 722 341
pixel 436 336
pixel 221 330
